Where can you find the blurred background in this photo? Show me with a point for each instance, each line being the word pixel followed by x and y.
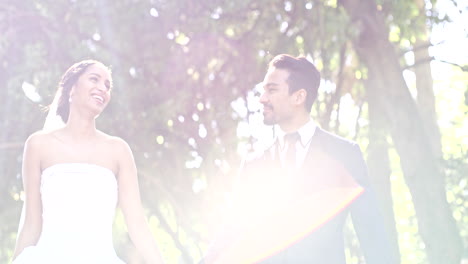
pixel 394 78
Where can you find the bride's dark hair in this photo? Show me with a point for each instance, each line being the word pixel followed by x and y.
pixel 69 78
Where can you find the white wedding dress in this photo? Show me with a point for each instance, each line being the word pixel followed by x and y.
pixel 78 204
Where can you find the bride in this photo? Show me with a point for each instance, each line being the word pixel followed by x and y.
pixel 73 178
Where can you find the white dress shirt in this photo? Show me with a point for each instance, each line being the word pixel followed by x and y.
pixel 306 132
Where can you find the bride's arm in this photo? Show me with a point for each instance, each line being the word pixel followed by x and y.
pixel 30 230
pixel 130 203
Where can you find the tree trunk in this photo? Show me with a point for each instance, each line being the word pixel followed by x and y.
pixel 423 177
pixel 379 165
pixel 424 84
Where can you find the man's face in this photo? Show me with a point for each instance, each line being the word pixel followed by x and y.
pixel 276 100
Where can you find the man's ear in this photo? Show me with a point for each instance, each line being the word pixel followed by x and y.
pixel 300 97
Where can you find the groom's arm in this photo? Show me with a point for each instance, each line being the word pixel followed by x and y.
pixel 367 218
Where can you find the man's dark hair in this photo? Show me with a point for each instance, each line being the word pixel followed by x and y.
pixel 302 75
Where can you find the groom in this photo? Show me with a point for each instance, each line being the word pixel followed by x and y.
pixel 293 200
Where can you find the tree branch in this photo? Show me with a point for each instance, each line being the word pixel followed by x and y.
pixel 462 67
pixel 420 47
pixel 428 59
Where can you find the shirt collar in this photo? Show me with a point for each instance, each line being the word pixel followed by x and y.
pixel 306 132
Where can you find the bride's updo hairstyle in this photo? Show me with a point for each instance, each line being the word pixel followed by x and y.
pixel 69 78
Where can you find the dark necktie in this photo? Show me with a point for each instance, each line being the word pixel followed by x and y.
pixel 290 157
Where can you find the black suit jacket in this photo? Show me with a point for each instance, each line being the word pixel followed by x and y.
pixel 331 162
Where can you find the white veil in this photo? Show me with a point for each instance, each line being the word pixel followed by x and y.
pixel 53 120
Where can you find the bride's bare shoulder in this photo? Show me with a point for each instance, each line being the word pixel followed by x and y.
pixel 37 137
pixel 113 140
pixel 49 134
pixel 119 150
pixel 42 137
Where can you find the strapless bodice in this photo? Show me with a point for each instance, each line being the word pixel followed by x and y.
pixel 78 206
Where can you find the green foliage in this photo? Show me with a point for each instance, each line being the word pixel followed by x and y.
pixel 457 195
pixel 177 67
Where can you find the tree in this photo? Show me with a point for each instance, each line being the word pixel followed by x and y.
pixel 424 178
pixel 181 71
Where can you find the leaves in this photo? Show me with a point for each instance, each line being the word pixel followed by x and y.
pixel 177 67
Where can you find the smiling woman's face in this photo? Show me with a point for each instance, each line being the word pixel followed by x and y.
pixel 92 90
